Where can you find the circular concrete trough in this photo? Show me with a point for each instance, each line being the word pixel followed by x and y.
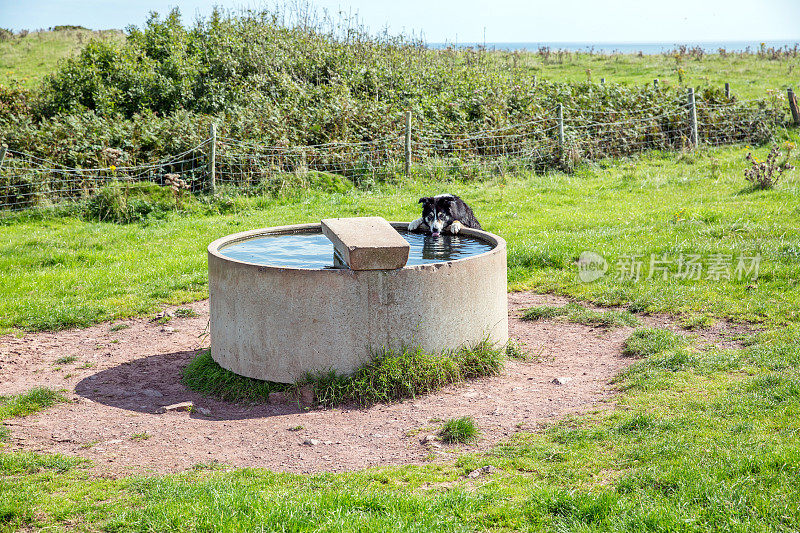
pixel 276 323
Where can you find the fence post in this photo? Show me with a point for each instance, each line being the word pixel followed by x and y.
pixel 212 160
pixel 727 90
pixel 561 127
pixel 655 83
pixel 792 107
pixel 602 81
pixel 692 116
pixel 408 144
pixel 3 149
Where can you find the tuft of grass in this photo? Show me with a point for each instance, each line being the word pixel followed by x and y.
pixel 118 327
pixel 540 312
pixel 138 437
pixel 65 360
pixel 459 430
pixel 186 313
pixel 204 375
pixel 392 376
pixel 29 402
pixel 389 377
pixel 578 314
pixel 646 342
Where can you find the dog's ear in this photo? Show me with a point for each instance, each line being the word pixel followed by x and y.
pixel 426 200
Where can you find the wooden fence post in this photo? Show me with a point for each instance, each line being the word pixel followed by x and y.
pixel 727 90
pixel 692 116
pixel 561 127
pixel 793 107
pixel 212 160
pixel 655 83
pixel 408 144
pixel 3 149
pixel 602 81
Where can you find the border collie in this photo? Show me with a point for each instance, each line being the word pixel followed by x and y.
pixel 445 212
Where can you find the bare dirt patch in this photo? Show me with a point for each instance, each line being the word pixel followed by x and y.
pixel 123 375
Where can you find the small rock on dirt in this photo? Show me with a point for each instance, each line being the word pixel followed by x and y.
pixel 168 329
pixel 312 442
pixel 561 380
pixel 306 396
pixel 150 393
pixel 427 439
pixel 183 406
pixel 276 397
pixel 203 411
pixel 483 471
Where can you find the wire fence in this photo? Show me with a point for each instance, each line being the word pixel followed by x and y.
pixel 554 138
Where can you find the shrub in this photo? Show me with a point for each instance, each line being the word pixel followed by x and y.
pixel 123 203
pixel 765 174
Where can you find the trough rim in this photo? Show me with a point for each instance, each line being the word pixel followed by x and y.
pixel 499 246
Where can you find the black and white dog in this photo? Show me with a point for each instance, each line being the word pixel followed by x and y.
pixel 444 212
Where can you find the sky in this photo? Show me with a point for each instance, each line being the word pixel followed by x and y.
pixel 617 21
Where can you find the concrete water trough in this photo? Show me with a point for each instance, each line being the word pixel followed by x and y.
pixel 278 315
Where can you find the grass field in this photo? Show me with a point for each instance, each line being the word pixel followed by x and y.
pixel 62 272
pixel 26 60
pixel 700 439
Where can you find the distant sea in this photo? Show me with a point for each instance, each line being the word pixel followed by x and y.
pixel 625 48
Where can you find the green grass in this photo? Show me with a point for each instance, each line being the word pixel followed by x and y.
pixel 65 360
pixel 26 60
pixel 459 430
pixel 647 342
pixel 692 449
pixel 65 272
pixel 391 376
pixel 204 375
pixel 29 402
pixel 579 314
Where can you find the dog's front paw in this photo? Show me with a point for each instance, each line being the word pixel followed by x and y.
pixel 455 227
pixel 415 224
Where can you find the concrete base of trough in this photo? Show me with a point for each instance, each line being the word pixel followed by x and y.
pixel 277 324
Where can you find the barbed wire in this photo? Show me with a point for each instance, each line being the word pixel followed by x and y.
pixel 249 167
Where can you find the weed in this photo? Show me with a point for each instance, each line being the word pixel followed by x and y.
pixel 119 327
pixel 459 430
pixel 86 365
pixel 516 350
pixel 765 174
pixel 296 428
pixel 186 313
pixel 65 360
pixel 137 437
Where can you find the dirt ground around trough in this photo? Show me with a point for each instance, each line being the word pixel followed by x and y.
pixel 124 372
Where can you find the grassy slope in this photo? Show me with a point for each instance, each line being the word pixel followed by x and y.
pixel 749 76
pixel 66 272
pixel 26 60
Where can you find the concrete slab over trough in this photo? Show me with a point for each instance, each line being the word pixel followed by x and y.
pixel 367 243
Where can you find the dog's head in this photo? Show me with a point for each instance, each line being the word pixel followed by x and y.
pixel 437 212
